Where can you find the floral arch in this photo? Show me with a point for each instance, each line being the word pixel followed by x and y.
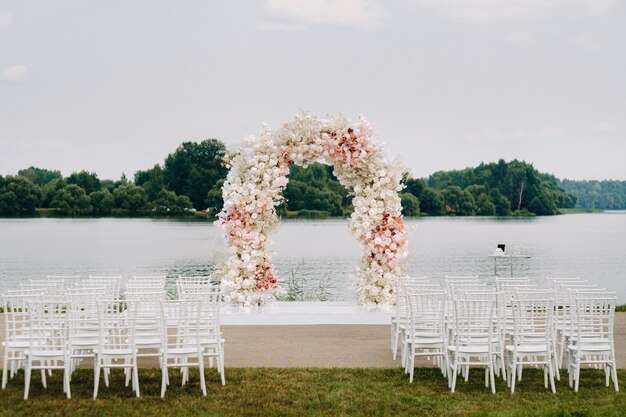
pixel 253 189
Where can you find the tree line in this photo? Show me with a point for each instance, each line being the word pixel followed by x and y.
pixel 191 179
pixel 498 188
pixel 173 188
pixel 607 194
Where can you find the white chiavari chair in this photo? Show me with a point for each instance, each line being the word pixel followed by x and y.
pixel 592 342
pixel 471 342
pixel 532 342
pixel 47 349
pixel 116 342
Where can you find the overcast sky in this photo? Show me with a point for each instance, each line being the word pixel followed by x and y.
pixel 114 86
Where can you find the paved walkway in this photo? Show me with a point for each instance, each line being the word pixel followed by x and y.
pixel 360 346
pixel 326 345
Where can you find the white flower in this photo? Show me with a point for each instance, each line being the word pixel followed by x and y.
pixel 254 186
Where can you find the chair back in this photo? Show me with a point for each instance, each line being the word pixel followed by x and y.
pixel 474 322
pixel 426 313
pixel 117 324
pixel 47 321
pixel 16 317
pixel 533 316
pixel 595 316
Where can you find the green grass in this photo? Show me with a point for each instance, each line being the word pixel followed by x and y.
pixel 620 308
pixel 316 392
pixel 579 210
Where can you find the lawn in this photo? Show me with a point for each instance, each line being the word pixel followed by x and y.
pixel 316 392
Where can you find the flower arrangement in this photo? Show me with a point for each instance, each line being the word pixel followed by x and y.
pixel 257 176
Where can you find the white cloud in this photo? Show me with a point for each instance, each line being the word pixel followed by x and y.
pixel 551 132
pixel 598 5
pixel 604 126
pixel 334 12
pixel 6 18
pixel 286 27
pixel 14 73
pixel 481 10
pixel 497 135
pixel 585 41
pixel 518 37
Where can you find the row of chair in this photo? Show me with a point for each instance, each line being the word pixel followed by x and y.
pixel 504 326
pixel 47 330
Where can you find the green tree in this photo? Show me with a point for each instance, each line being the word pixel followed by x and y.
pixel 410 204
pixel 109 185
pixel 130 197
pixel 214 199
pixel 476 190
pixel 102 202
pixel 18 195
pixel 414 186
pixel 484 206
pixel 458 202
pixel 432 202
pixel 500 202
pixel 294 194
pixel 88 181
pixel 72 200
pixel 167 202
pixel 152 181
pixel 542 204
pixel 323 200
pixel 50 189
pixel 39 176
pixel 194 168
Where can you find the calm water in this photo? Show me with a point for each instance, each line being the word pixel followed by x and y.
pixel 592 246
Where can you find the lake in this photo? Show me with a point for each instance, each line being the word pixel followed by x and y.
pixel 592 246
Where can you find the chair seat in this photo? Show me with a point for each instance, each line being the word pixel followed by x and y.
pixel 83 341
pixel 182 351
pixel 114 352
pixel 204 340
pixel 45 353
pixel 16 344
pixel 419 340
pixel 591 348
pixel 470 349
pixel 528 348
pixel 142 341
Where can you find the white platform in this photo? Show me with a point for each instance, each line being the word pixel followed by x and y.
pixel 305 313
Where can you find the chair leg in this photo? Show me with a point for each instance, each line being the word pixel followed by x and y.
pixel 455 371
pixel 394 349
pixel 550 371
pixel 513 377
pixel 66 380
pixel 96 378
pixel 44 381
pixel 493 379
pixel 106 372
pixel 127 374
pixel 5 369
pixel 136 378
pixel 555 366
pixel 220 364
pixel 614 372
pixel 27 373
pixel 164 380
pixel 202 381
pixel 577 376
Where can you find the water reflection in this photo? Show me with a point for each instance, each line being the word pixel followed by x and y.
pixel 592 246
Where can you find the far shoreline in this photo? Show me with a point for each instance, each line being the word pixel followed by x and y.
pixel 203 216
